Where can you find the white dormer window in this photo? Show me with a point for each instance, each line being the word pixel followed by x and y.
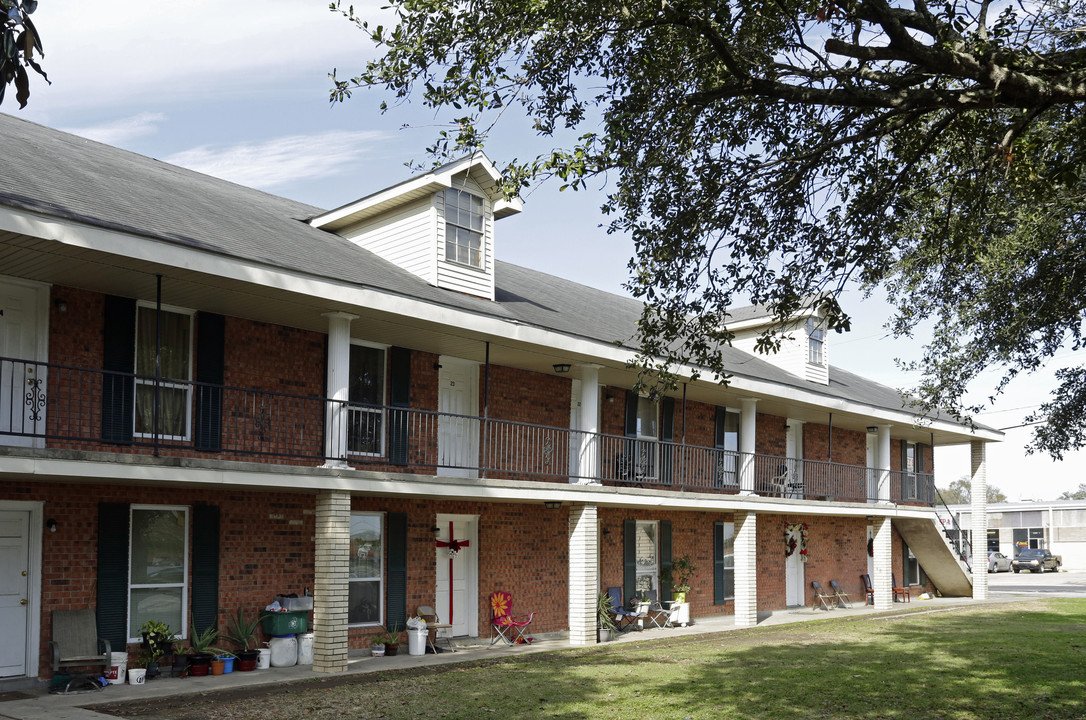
pixel 816 336
pixel 463 228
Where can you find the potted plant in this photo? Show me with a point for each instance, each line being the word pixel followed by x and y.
pixel 377 645
pixel 242 632
pixel 605 623
pixel 202 649
pixel 678 576
pixel 390 638
pixel 158 642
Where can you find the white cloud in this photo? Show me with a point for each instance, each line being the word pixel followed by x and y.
pixel 282 160
pixel 120 132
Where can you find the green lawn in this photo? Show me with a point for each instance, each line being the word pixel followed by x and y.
pixel 1025 660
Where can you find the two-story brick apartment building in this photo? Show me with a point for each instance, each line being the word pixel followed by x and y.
pixel 210 395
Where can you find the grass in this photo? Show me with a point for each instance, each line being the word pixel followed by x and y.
pixel 1026 660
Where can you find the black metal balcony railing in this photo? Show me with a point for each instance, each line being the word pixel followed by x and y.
pixel 64 407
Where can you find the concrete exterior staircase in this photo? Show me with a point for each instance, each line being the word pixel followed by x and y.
pixel 936 556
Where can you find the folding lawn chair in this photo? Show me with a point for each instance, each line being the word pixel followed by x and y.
pixel 624 619
pixel 653 611
pixel 509 627
pixel 823 599
pixel 840 595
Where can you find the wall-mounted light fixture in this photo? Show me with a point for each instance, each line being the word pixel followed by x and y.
pixel 51 524
pixel 435 530
pixel 561 368
pixel 552 504
pixel 60 305
pixel 872 428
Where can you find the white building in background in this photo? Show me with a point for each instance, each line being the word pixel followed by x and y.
pixel 1059 525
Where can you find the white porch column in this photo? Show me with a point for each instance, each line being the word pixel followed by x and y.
pixel 584 578
pixel 978 493
pixel 746 569
pixel 330 578
pixel 339 369
pixel 884 463
pixel 884 562
pixel 588 463
pixel 748 428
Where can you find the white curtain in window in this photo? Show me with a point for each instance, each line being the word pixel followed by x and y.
pixel 174 365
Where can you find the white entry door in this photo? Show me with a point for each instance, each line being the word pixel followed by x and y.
pixel 22 382
pixel 458 426
pixel 457 594
pixel 793 440
pixel 15 600
pixel 872 471
pixel 793 581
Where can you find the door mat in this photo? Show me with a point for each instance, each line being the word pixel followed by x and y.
pixel 15 695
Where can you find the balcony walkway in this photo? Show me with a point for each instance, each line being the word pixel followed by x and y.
pixel 43 706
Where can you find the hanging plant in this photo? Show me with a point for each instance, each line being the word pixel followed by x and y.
pixel 795 538
pixel 871 547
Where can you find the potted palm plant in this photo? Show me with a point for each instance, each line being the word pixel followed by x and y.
pixel 202 649
pixel 605 622
pixel 678 575
pixel 242 632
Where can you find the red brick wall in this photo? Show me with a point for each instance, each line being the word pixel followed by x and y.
pixel 266 544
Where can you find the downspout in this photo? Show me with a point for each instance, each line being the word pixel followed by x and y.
pixel 684 413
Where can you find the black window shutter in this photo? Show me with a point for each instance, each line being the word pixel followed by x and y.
pixel 210 369
pixel 667 434
pixel 721 426
pixel 631 413
pixel 665 554
pixel 205 566
pixel 119 356
pixel 396 586
pixel 718 563
pixel 112 609
pixel 399 376
pixel 629 559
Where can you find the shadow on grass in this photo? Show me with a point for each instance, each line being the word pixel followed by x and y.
pixel 1019 661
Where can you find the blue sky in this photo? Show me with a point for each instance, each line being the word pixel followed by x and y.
pixel 239 90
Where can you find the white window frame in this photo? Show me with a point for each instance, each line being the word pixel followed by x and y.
pixel 653 572
pixel 185 385
pixel 380 577
pixel 454 237
pixel 912 568
pixel 182 631
pixel 382 395
pixel 816 342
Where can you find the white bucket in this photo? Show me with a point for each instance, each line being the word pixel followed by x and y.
pixel 118 664
pixel 136 676
pixel 305 649
pixel 264 661
pixel 416 641
pixel 284 651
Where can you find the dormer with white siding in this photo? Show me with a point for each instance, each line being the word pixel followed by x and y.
pixel 438 226
pixel 804 351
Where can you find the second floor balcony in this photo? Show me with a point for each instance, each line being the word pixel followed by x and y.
pixel 58 407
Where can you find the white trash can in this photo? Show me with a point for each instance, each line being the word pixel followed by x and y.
pixel 118 665
pixel 416 641
pixel 305 649
pixel 264 661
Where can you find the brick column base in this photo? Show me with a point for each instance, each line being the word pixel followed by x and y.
pixel 746 569
pixel 884 561
pixel 330 578
pixel 584 579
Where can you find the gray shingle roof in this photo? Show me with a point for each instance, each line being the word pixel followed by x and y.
pixel 65 176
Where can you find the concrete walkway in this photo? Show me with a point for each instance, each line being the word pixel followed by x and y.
pixel 45 706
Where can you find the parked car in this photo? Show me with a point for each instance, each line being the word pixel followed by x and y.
pixel 1036 560
pixel 998 562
